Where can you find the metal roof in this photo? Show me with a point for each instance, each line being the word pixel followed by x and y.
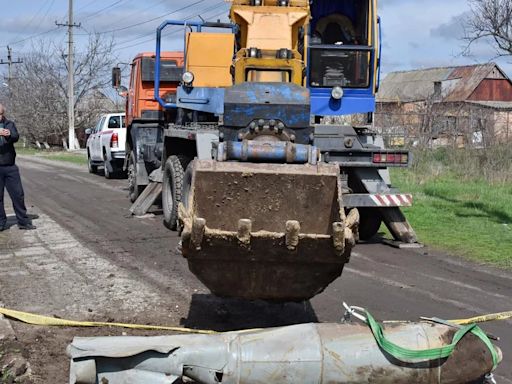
pixel 458 83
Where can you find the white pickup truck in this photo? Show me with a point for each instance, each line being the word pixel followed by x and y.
pixel 106 144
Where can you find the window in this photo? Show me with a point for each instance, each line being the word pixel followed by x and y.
pixel 340 22
pixel 100 124
pixel 337 67
pixel 114 122
pixel 169 70
pixel 340 51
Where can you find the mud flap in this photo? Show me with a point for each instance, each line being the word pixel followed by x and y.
pixel 265 231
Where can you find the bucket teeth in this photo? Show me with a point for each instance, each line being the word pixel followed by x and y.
pixel 338 237
pixel 198 229
pixel 292 234
pixel 244 231
pixel 265 231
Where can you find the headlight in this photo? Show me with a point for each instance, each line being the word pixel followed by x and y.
pixel 188 78
pixel 337 93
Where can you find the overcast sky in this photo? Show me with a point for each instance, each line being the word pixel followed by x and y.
pixel 417 34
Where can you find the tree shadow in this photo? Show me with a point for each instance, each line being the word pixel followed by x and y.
pixel 223 314
pixel 485 211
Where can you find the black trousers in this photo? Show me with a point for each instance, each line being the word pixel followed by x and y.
pixel 10 179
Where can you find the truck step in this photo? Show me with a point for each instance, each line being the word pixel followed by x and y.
pixel 146 199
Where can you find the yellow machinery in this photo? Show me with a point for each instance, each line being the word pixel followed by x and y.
pixel 261 212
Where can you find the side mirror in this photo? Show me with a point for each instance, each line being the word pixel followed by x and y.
pixel 122 91
pixel 88 131
pixel 116 77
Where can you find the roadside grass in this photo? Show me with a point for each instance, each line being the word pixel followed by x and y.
pixel 67 157
pixel 460 212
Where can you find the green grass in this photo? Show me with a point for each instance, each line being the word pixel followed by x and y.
pixel 466 216
pixel 67 157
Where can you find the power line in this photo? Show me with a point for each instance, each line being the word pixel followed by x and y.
pixel 145 36
pixel 208 9
pixel 103 9
pixel 32 36
pixel 25 26
pixel 86 5
pixel 153 19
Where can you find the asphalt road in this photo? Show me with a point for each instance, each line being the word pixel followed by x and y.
pixel 393 284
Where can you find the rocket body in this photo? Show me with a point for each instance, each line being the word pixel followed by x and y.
pixel 306 354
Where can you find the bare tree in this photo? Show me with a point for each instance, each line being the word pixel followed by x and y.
pixel 490 20
pixel 38 91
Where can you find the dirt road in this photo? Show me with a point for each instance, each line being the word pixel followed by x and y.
pixel 95 262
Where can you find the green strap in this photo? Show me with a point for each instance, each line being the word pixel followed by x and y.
pixel 418 356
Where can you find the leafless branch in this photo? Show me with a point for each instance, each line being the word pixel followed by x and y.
pixel 491 21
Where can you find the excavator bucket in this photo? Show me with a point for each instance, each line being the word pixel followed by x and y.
pixel 275 232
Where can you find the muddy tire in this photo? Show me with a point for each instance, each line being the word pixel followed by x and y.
pixel 92 168
pixel 370 222
pixel 186 190
pixel 134 189
pixel 107 173
pixel 172 187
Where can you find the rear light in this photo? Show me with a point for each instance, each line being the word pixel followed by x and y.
pixel 114 140
pixel 391 158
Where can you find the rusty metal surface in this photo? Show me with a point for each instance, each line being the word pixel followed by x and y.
pixel 493 90
pixel 307 353
pixel 459 83
pixel 265 231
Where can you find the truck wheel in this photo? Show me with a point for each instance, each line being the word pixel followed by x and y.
pixel 369 224
pixel 134 189
pixel 186 191
pixel 106 170
pixel 92 168
pixel 172 186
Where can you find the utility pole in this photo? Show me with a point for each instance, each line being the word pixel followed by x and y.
pixel 71 72
pixel 10 62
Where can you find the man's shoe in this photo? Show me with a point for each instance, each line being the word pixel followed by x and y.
pixel 27 227
pixel 3 228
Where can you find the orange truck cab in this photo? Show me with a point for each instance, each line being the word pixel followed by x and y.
pixel 145 118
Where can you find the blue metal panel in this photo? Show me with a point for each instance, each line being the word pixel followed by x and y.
pixel 209 100
pixel 285 102
pixel 353 101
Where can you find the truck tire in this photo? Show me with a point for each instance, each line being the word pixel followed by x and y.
pixel 186 190
pixel 369 224
pixel 172 186
pixel 106 171
pixel 134 189
pixel 92 168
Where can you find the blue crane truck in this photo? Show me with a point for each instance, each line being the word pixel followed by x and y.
pixel 269 166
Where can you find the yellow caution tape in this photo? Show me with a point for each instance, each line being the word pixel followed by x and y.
pixel 30 318
pixel 484 319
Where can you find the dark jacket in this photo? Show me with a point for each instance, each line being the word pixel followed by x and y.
pixel 7 151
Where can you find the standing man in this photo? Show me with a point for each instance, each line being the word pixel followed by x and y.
pixel 10 174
